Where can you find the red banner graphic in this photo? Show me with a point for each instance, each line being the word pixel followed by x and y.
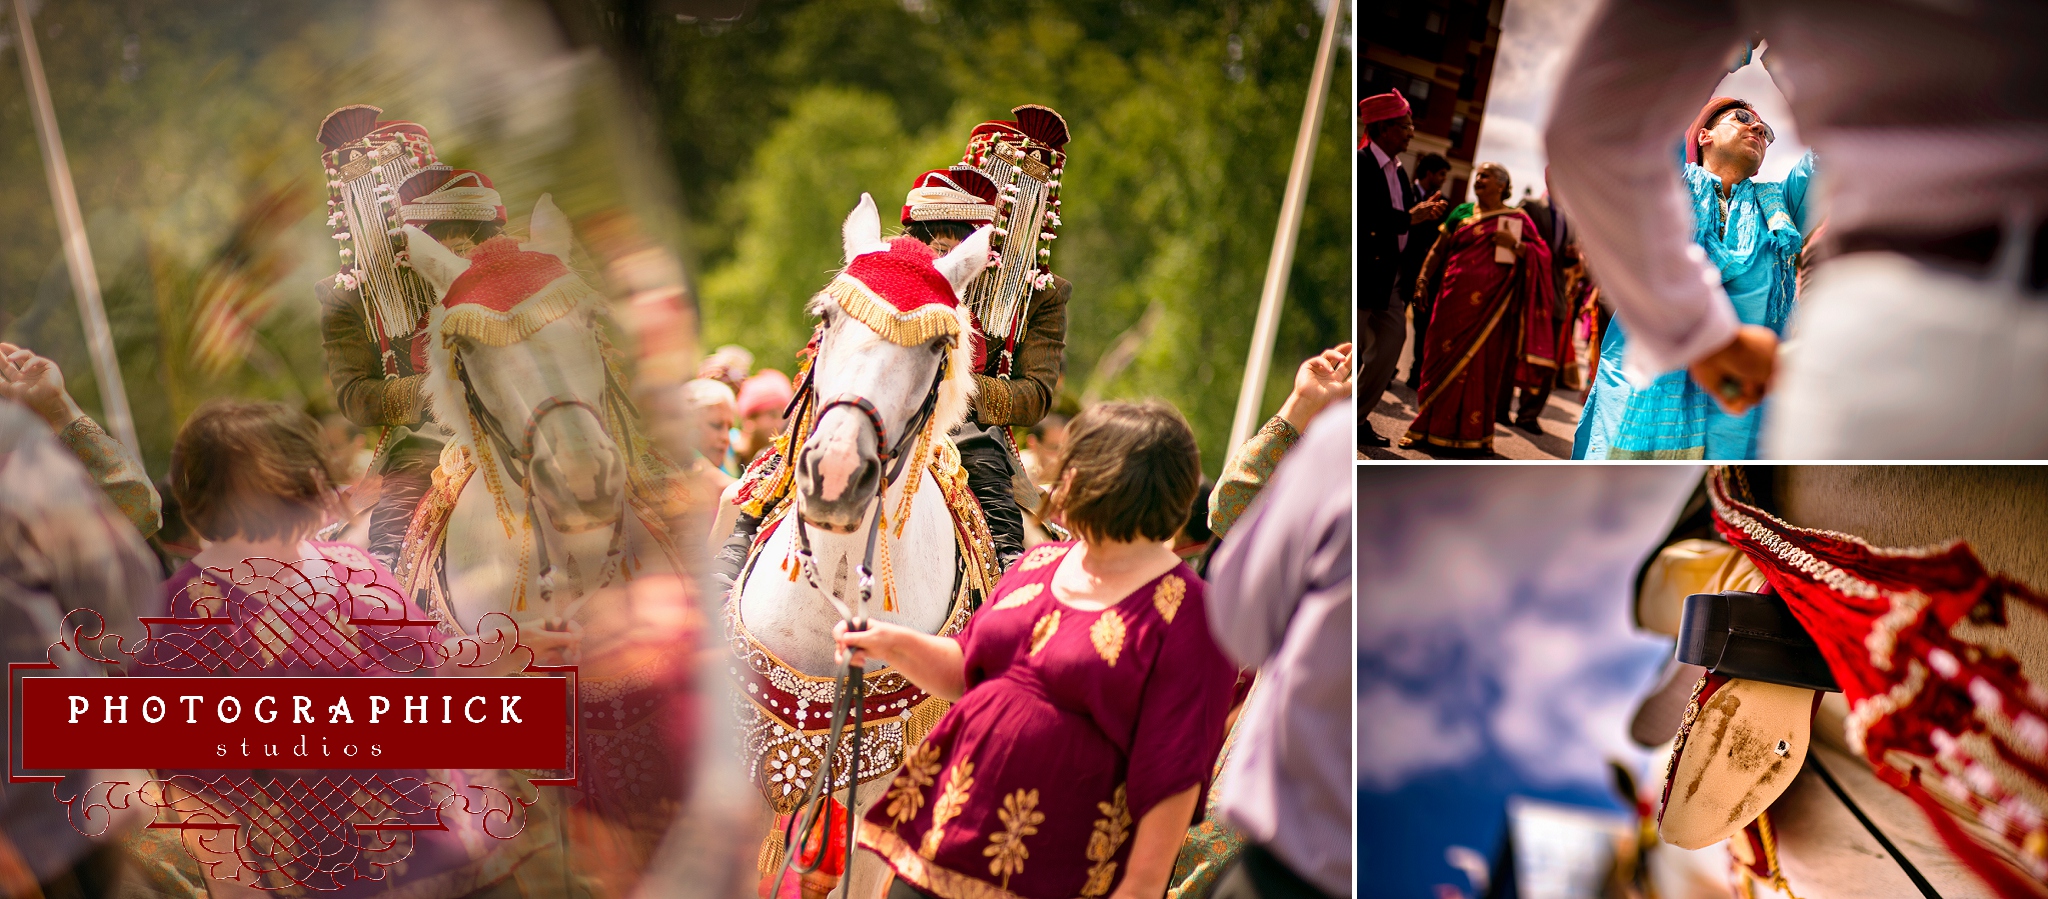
pixel 211 723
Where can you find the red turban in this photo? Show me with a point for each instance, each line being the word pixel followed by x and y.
pixel 1380 107
pixel 768 390
pixel 1708 114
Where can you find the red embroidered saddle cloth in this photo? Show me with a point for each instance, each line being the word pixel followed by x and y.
pixel 1953 723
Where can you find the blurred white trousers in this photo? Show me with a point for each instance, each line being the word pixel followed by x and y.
pixel 1891 358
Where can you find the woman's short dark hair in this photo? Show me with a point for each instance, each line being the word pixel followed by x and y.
pixel 1129 471
pixel 251 469
pixel 927 232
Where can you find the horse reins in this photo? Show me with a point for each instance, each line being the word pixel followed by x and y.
pixel 519 459
pixel 852 682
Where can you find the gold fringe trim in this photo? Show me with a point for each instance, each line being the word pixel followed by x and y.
pixel 498 329
pixel 918 326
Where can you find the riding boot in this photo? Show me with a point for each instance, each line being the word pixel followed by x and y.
pixel 407 476
pixel 988 465
pixel 724 567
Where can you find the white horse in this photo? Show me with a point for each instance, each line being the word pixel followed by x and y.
pixel 526 391
pixel 1823 850
pixel 783 624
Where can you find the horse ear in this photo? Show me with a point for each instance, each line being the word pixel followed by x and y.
pixel 862 232
pixel 548 228
pixel 966 260
pixel 436 263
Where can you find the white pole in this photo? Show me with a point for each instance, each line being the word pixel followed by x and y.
pixel 1260 360
pixel 85 280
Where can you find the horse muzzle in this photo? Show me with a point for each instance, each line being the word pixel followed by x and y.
pixel 838 473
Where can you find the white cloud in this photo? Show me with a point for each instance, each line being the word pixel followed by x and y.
pixel 1493 610
pixel 1400 736
pixel 1537 38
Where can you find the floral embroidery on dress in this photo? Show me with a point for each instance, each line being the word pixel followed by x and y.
pixel 1041 557
pixel 1020 596
pixel 951 802
pixel 1167 597
pixel 1043 630
pixel 1021 817
pixel 1110 832
pixel 1108 636
pixel 906 793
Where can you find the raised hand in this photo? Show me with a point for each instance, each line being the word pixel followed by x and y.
pixel 1321 380
pixel 36 382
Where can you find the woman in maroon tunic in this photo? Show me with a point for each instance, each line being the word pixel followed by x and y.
pixel 1090 695
pixel 1491 326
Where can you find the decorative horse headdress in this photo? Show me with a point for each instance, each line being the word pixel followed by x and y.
pixel 1024 159
pixel 366 161
pixel 909 295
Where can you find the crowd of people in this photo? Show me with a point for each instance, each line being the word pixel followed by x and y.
pixel 1149 703
pixel 1739 317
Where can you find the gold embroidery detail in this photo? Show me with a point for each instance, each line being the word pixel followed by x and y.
pixel 1020 596
pixel 906 794
pixel 1041 557
pixel 493 328
pixel 1168 596
pixel 1108 636
pixel 918 326
pixel 1021 817
pixel 958 781
pixel 1043 630
pixel 1110 832
pixel 992 400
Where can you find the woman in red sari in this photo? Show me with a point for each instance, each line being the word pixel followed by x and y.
pixel 1489 315
pixel 1090 696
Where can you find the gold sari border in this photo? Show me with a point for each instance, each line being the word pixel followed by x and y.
pixel 921 872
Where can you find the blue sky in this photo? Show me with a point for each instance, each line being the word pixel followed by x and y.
pixel 1496 654
pixel 1536 39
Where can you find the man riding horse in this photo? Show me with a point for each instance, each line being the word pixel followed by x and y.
pixel 373 313
pixel 1009 178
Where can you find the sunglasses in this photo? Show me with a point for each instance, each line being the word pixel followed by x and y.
pixel 1746 117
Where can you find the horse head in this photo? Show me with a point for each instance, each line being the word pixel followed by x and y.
pixel 516 370
pixel 893 357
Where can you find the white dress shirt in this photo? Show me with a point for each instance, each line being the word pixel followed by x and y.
pixel 1390 167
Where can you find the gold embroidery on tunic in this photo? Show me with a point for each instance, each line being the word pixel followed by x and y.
pixel 1167 597
pixel 1041 557
pixel 1108 636
pixel 958 781
pixel 1110 832
pixel 1043 630
pixel 1021 817
pixel 1020 596
pixel 906 794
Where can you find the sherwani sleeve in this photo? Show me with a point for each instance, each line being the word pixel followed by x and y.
pixel 355 366
pixel 117 474
pixel 1247 472
pixel 1041 361
pixel 1629 91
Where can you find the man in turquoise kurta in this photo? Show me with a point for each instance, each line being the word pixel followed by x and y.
pixel 1752 231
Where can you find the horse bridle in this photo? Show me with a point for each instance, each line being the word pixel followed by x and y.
pixel 852 683
pixel 519 459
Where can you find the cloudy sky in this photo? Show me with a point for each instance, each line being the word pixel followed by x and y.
pixel 1496 653
pixel 1536 40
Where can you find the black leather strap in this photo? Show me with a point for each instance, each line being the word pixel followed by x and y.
pixel 1751 636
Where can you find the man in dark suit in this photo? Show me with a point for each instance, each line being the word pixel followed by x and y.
pixel 1431 171
pixel 1387 207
